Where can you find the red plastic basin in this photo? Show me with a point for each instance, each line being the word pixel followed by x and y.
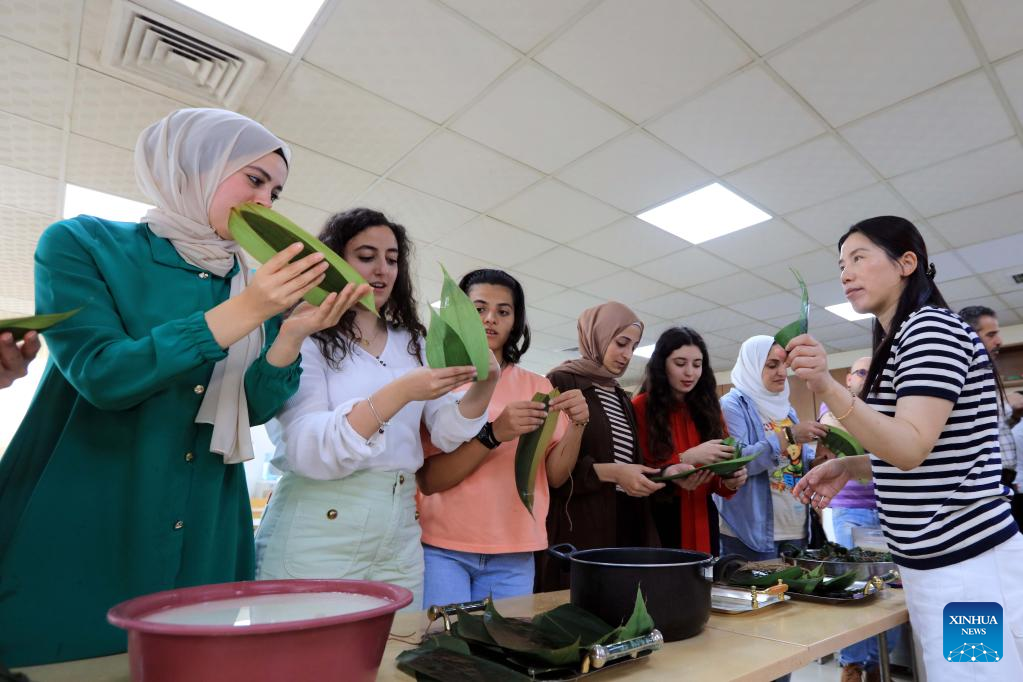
pixel 338 647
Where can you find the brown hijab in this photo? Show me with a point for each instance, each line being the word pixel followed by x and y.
pixel 598 326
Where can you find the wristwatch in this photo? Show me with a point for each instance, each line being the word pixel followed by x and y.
pixel 486 436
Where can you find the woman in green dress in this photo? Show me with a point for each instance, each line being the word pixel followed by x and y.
pixel 125 476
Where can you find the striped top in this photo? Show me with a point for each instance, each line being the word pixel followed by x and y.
pixel 622 437
pixel 953 506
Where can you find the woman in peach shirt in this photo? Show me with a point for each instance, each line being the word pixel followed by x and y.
pixel 478 537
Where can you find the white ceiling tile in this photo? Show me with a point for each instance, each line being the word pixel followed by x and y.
pixel 465 172
pixel 44 24
pixel 807 175
pixel 827 222
pixel 427 217
pixel 625 286
pixel 818 266
pixel 989 220
pixel 549 342
pixel 535 118
pixel 113 111
pixel 309 218
pixel 852 343
pixel 845 332
pixel 829 292
pixel 998 24
pixel 567 267
pixel 716 318
pixel 24 226
pixel 768 306
pixel 737 334
pixel 1010 73
pixel 322 181
pixel 343 121
pixel 757 245
pixel 522 23
pixel 33 84
pixel 993 255
pixel 967 287
pixel 1007 316
pixel 732 289
pixel 952 265
pixel 972 178
pixel 30 146
pixel 412 52
pixel 535 287
pixel 1013 298
pixel 492 240
pixel 570 303
pixel 28 191
pixel 628 242
pixel 541 319
pixel 640 62
pixel 673 306
pixel 431 257
pixel 634 172
pixel 686 268
pixel 745 119
pixel 555 210
pixel 931 127
pixel 767 25
pixel 102 166
pixel 1001 281
pixel 913 45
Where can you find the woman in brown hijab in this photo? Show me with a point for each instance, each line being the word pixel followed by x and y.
pixel 603 504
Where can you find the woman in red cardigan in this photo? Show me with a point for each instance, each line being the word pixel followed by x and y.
pixel 679 421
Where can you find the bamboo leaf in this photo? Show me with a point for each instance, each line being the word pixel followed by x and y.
pixel 724 468
pixel 521 637
pixel 800 326
pixel 461 340
pixel 751 578
pixel 640 623
pixel 838 583
pixel 443 657
pixel 19 326
pixel 842 443
pixel 532 449
pixel 569 623
pixel 263 232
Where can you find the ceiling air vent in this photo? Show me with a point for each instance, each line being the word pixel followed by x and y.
pixel 1018 278
pixel 145 44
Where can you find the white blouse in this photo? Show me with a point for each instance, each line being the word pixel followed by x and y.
pixel 312 433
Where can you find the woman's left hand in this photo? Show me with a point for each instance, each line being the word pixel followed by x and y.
pixel 573 403
pixel 736 480
pixel 809 361
pixel 308 319
pixel 692 481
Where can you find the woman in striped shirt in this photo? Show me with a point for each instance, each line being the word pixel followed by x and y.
pixel 928 413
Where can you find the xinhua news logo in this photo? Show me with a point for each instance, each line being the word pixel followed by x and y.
pixel 973 632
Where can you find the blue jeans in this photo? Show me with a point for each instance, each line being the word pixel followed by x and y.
pixel 453 577
pixel 844 519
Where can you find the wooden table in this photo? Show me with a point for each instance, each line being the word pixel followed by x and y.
pixel 757 647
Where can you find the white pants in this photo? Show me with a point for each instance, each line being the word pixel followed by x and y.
pixel 994 576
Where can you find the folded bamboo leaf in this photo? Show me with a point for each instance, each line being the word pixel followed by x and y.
pixel 800 326
pixel 569 623
pixel 19 326
pixel 722 468
pixel 837 583
pixel 263 233
pixel 842 443
pixel 640 623
pixel 736 445
pixel 523 638
pixel 531 450
pixel 461 340
pixel 443 657
pixel 470 627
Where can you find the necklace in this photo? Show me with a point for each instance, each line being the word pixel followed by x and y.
pixel 366 343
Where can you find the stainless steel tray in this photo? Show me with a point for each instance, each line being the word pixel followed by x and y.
pixel 860 592
pixel 731 600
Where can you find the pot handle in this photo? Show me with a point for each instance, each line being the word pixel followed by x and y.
pixel 559 550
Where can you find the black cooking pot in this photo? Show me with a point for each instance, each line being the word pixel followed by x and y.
pixel 675 582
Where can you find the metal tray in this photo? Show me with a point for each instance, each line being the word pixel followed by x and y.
pixel 733 600
pixel 860 592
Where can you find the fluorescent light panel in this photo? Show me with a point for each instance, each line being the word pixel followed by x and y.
pixel 845 311
pixel 705 214
pixel 282 24
pixel 82 200
pixel 645 351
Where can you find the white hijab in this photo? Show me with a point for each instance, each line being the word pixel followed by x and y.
pixel 748 377
pixel 180 162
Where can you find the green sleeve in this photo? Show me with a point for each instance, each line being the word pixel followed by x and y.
pixel 107 366
pixel 267 387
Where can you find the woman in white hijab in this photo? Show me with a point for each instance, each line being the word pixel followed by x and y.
pixel 763 515
pixel 123 478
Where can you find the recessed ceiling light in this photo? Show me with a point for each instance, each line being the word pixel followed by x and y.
pixel 845 311
pixel 705 214
pixel 282 24
pixel 82 200
pixel 644 351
